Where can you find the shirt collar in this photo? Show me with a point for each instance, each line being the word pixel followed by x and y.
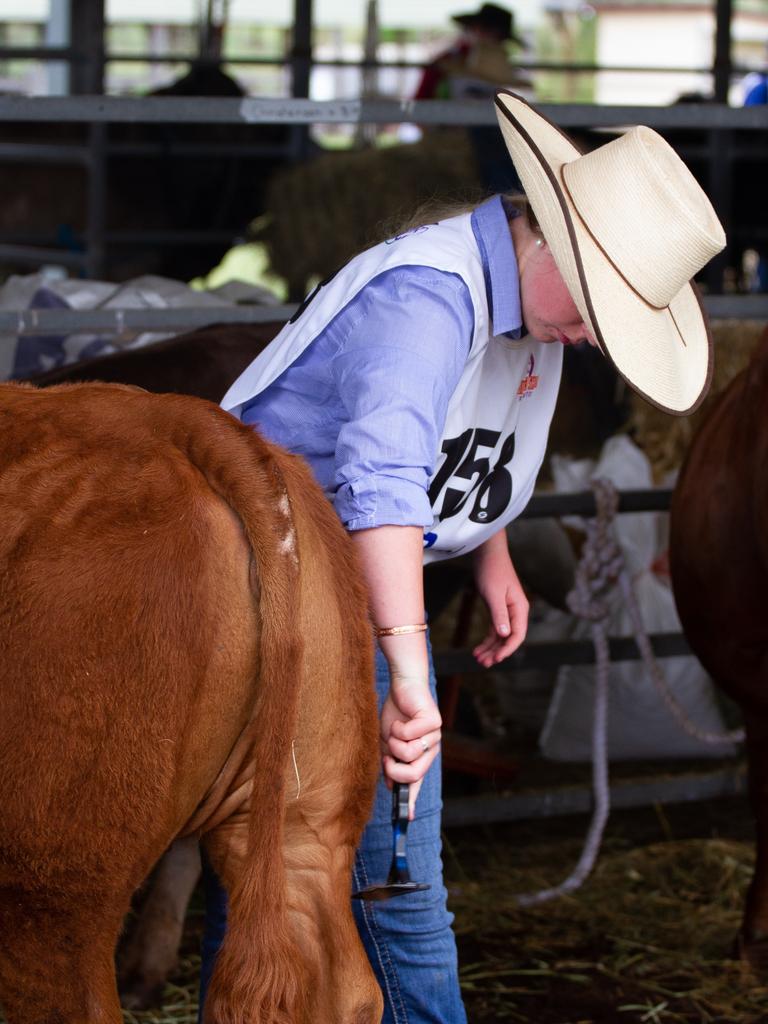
pixel 502 283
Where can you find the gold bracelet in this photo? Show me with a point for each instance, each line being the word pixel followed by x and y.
pixel 399 630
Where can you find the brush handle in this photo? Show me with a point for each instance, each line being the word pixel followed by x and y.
pixel 398 872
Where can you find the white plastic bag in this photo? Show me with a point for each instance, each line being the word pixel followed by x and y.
pixel 26 355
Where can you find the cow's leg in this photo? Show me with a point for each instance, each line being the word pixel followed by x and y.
pixel 753 940
pixel 265 975
pixel 327 960
pixel 151 949
pixel 57 960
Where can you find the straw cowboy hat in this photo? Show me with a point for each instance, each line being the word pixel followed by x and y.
pixel 628 226
pixel 493 19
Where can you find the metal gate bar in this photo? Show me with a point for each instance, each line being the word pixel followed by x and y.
pixel 552 803
pixel 251 110
pixel 58 321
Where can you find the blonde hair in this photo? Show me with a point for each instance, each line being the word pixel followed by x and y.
pixel 433 210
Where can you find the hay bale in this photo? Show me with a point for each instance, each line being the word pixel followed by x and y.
pixel 665 438
pixel 323 212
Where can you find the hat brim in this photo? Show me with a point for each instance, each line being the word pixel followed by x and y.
pixel 663 354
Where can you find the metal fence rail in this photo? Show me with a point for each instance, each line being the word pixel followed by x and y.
pixel 685 787
pixel 24 322
pixel 118 321
pixel 561 652
pixel 233 60
pixel 250 110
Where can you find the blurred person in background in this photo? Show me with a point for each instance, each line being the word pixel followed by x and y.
pixel 474 66
pixel 477 61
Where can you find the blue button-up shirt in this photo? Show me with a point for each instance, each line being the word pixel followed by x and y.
pixel 366 402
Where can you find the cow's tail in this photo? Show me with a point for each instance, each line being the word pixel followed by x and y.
pixel 257 969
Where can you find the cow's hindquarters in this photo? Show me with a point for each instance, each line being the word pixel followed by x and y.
pixel 173 588
pixel 128 639
pixel 326 780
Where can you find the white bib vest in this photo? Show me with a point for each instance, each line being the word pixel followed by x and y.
pixel 498 417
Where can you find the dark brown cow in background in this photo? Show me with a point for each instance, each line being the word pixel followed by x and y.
pixel 206 361
pixel 185 649
pixel 719 565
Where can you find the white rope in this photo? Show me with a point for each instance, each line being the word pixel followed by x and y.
pixel 601 566
pixel 600 785
pixel 601 560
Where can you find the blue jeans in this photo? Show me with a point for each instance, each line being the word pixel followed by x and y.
pixel 408 940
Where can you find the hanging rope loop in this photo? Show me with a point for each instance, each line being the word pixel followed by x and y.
pixel 596 574
pixel 601 568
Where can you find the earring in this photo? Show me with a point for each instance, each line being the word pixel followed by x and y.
pixel 539 242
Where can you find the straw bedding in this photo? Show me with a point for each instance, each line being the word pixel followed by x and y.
pixel 646 941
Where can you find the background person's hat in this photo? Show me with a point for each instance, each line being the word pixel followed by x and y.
pixel 628 226
pixel 494 19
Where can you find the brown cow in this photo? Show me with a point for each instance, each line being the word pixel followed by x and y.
pixel 185 649
pixel 719 565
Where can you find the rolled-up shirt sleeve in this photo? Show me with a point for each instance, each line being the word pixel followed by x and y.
pixel 407 340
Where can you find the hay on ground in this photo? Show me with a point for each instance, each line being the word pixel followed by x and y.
pixel 645 941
